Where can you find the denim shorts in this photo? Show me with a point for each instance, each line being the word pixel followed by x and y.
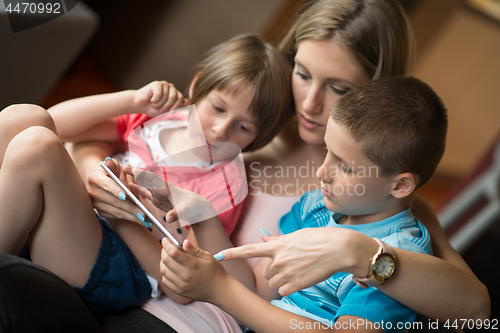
pixel 116 281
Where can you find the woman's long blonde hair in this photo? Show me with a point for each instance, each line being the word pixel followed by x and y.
pixel 376 32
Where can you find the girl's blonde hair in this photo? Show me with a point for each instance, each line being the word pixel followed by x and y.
pixel 247 59
pixel 376 32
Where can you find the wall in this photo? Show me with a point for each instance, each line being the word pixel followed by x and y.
pixel 461 62
pixel 168 45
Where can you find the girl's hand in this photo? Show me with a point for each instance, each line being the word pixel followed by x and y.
pixel 108 198
pixel 158 97
pixel 308 256
pixel 192 273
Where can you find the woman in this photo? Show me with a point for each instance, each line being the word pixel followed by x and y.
pixel 336 46
pixel 332 54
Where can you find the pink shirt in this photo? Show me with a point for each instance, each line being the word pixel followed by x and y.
pixel 223 183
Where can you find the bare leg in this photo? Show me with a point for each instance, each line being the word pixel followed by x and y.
pixel 16 118
pixel 42 195
pixel 86 155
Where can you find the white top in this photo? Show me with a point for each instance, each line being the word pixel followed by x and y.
pixel 149 134
pixel 194 317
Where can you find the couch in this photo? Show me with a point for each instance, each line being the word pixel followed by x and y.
pixel 33 299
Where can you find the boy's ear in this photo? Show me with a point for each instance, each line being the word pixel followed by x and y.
pixel 191 87
pixel 404 185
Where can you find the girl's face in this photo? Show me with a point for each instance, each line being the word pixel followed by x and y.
pixel 225 116
pixel 324 71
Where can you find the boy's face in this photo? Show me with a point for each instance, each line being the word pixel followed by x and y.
pixel 351 183
pixel 226 116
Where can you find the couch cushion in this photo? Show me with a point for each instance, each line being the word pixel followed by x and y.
pixel 32 299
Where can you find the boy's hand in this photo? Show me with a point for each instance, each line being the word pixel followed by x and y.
pixel 192 273
pixel 158 97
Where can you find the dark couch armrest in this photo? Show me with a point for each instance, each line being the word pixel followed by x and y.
pixel 32 299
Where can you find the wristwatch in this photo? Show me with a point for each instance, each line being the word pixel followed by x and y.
pixel 382 266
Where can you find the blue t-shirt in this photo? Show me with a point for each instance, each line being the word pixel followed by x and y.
pixel 339 295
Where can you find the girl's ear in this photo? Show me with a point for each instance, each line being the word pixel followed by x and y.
pixel 191 87
pixel 404 185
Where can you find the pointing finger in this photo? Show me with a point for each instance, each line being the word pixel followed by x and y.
pixel 247 251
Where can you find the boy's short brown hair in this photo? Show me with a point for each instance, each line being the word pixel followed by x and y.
pixel 247 59
pixel 400 122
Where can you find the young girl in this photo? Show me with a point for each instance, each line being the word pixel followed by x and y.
pixel 46 202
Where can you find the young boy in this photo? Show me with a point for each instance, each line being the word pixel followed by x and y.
pixel 384 140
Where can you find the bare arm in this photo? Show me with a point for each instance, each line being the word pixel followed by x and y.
pixel 459 293
pixel 212 237
pixel 440 246
pixel 146 249
pixel 144 245
pixel 196 274
pixel 437 288
pixel 91 118
pixel 76 117
pixel 104 193
pixel 196 210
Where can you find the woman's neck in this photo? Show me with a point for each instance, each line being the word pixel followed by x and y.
pixel 289 142
pixel 287 166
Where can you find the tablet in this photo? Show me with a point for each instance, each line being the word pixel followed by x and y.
pixel 139 204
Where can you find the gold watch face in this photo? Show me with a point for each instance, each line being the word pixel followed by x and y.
pixel 384 267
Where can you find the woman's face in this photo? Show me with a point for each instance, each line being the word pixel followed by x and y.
pixel 324 71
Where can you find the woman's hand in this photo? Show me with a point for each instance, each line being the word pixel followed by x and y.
pixel 158 97
pixel 308 256
pixel 192 273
